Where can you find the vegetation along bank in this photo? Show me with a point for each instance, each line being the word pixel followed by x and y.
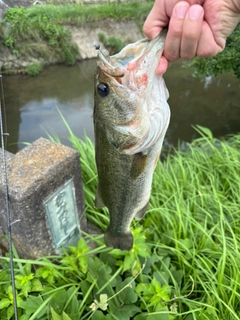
pixel 33 37
pixel 185 263
pixel 46 34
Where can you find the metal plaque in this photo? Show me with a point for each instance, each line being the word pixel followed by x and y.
pixel 62 216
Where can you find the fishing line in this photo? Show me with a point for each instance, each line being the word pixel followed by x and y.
pixel 4 111
pixel 5 185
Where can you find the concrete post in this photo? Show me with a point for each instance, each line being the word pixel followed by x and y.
pixel 45 194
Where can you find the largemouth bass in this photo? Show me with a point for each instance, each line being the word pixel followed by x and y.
pixel 131 116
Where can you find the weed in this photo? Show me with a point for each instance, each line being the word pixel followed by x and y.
pixel 185 262
pixel 113 44
pixel 33 69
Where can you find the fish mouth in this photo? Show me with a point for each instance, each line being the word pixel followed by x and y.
pixel 131 76
pixel 134 66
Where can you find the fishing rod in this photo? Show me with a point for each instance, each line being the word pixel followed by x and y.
pixel 5 186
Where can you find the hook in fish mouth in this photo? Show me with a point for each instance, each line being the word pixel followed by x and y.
pixel 131 61
pixel 104 63
pixel 103 55
pixel 96 46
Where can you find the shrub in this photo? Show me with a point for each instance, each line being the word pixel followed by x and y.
pixel 34 69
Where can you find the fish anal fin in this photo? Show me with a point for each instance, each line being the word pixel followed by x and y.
pixel 140 214
pixel 98 200
pixel 138 164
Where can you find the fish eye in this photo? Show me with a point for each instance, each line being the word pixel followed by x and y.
pixel 103 89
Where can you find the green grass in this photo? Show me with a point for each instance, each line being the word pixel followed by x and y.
pixel 185 263
pixel 79 14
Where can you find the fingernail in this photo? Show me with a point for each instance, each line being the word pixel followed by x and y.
pixel 181 10
pixel 195 12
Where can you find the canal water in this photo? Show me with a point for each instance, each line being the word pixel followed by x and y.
pixel 33 104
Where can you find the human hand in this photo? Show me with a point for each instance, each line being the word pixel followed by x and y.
pixel 195 27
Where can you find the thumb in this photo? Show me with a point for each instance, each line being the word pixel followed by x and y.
pixel 156 20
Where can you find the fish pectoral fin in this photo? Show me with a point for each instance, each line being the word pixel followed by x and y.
pixel 98 200
pixel 113 139
pixel 140 214
pixel 138 164
pixel 121 142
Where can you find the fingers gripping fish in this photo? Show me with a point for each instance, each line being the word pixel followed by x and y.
pixel 131 116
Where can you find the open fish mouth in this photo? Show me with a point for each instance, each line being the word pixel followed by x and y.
pixel 134 66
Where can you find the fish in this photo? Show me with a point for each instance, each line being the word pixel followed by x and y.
pixel 131 116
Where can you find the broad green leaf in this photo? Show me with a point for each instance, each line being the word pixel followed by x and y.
pixel 122 314
pixel 108 258
pixel 146 290
pixel 36 285
pixel 85 285
pixel 162 292
pixel 178 275
pixel 27 268
pixel 58 301
pixel 117 253
pixel 149 263
pixel 4 303
pixel 127 311
pixel 94 264
pixel 55 316
pixel 3 275
pixel 26 288
pixel 104 276
pixel 162 277
pixel 156 284
pixel 129 261
pixel 31 305
pixel 83 264
pixel 127 295
pixel 98 315
pixel 47 273
pixel 186 243
pixel 72 307
pixel 10 312
pixel 82 246
pixel 65 316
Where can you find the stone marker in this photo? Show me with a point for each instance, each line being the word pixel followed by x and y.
pixel 45 194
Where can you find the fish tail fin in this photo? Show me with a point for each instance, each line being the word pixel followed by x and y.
pixel 122 241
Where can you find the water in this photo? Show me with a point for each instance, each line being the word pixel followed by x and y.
pixel 32 104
